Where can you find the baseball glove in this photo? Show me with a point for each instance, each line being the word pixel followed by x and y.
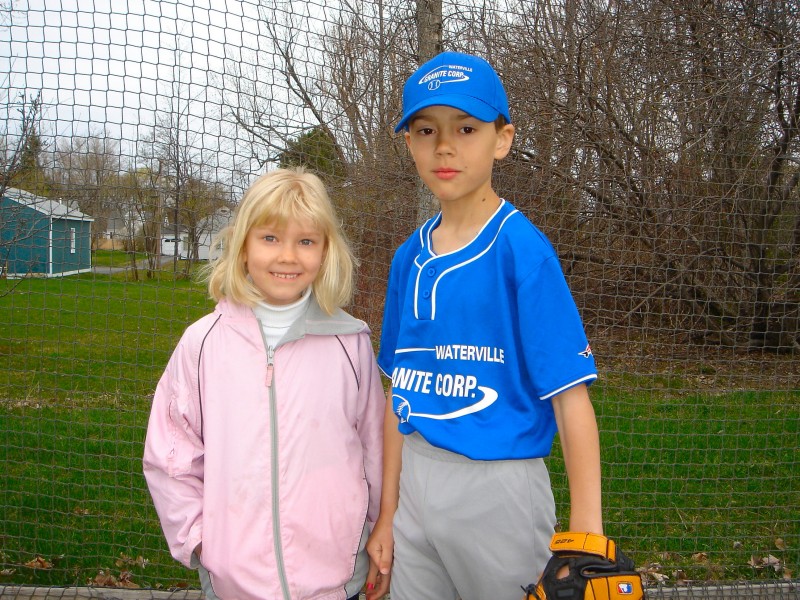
pixel 597 571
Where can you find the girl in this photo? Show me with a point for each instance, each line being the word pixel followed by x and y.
pixel 264 444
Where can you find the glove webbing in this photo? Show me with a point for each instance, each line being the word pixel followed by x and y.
pixel 589 578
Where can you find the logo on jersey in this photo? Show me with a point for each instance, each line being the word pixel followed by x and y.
pixel 459 394
pixel 587 352
pixel 405 413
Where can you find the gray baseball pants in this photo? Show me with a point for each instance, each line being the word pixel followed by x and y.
pixel 475 530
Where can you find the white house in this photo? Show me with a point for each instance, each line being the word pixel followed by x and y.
pixel 168 246
pixel 209 228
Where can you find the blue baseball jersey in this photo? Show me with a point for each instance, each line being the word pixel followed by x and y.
pixel 479 340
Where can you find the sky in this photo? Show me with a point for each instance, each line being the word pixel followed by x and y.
pixel 114 64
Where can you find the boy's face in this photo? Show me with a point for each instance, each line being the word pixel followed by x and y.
pixel 454 152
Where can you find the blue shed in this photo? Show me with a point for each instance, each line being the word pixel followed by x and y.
pixel 41 237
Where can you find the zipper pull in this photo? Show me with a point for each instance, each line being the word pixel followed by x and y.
pixel 270 364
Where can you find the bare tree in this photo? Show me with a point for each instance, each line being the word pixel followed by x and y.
pixel 659 140
pixel 201 201
pixel 141 194
pixel 19 165
pixel 342 79
pixel 182 180
pixel 8 12
pixel 656 143
pixel 22 149
pixel 86 173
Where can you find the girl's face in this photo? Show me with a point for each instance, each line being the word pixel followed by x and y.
pixel 284 261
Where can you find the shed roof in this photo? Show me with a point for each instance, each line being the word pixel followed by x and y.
pixel 51 208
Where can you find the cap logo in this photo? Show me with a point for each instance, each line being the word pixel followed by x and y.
pixel 446 74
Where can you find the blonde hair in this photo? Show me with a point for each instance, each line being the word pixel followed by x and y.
pixel 276 198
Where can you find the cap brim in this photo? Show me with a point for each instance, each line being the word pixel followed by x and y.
pixel 472 106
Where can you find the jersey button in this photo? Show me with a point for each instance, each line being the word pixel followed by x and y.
pixel 431 272
pixel 426 294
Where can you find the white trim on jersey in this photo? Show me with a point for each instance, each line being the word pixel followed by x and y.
pixel 401 350
pixel 456 266
pixel 569 385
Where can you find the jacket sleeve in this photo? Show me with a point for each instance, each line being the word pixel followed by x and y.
pixel 173 453
pixel 372 404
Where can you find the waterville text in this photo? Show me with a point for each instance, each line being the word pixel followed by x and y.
pixel 473 353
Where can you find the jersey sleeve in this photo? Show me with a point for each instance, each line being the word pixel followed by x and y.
pixel 556 351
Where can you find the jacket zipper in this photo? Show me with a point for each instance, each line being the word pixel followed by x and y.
pixel 270 365
pixel 276 520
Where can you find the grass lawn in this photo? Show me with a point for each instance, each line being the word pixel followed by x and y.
pixel 114 258
pixel 81 357
pixel 68 338
pixel 700 484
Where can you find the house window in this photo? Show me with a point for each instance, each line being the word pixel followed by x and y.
pixel 72 240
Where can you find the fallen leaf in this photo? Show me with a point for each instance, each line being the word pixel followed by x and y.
pixel 771 561
pixel 700 557
pixel 125 580
pixel 39 563
pixel 668 556
pixel 124 560
pixel 780 544
pixel 104 579
pixel 652 571
pixel 8 571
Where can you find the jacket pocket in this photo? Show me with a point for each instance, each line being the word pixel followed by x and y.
pixel 181 453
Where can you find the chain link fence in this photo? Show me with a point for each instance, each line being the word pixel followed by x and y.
pixel 657 146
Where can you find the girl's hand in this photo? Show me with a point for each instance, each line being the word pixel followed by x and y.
pixel 380 547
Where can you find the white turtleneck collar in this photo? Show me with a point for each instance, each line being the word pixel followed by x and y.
pixel 276 320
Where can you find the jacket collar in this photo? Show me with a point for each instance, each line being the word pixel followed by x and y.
pixel 314 322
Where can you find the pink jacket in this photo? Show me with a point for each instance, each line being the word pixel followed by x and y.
pixel 271 460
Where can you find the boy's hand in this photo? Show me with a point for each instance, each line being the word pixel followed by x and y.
pixel 380 547
pixel 594 567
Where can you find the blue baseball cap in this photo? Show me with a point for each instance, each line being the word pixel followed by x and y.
pixel 461 81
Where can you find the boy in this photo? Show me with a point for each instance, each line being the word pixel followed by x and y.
pixel 487 356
